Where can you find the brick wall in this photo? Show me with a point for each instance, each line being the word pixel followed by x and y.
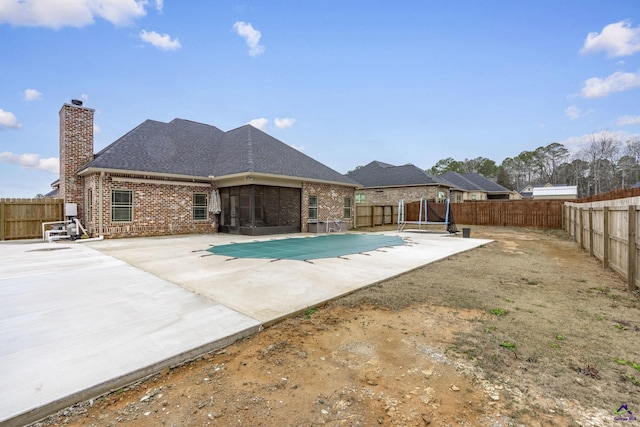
pixel 76 150
pixel 391 195
pixel 158 209
pixel 330 202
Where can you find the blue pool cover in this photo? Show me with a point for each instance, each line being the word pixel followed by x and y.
pixel 304 248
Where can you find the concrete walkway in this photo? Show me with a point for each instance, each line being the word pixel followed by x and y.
pixel 80 319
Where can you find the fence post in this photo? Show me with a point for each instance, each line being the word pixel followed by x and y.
pixel 605 237
pixel 2 221
pixel 582 246
pixel 590 231
pixel 631 249
pixel 575 224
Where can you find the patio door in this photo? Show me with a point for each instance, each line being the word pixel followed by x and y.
pixel 234 220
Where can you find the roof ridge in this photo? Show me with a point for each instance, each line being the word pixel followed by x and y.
pixel 250 149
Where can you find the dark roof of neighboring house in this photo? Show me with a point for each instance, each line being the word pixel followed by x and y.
pixel 379 174
pixel 183 147
pixel 473 182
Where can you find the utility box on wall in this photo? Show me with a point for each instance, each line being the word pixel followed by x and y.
pixel 70 209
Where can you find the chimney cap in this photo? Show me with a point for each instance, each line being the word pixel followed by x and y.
pixel 76 102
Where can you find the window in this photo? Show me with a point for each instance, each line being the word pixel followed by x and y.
pixel 473 197
pixel 347 207
pixel 200 206
pixel 313 208
pixel 360 198
pixel 89 205
pixel 442 197
pixel 121 205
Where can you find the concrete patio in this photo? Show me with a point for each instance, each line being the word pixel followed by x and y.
pixel 80 319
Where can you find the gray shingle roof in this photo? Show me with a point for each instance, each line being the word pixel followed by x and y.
pixel 379 174
pixel 473 182
pixel 188 148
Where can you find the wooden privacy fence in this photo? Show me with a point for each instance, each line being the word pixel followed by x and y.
pixel 504 213
pixel 23 218
pixel 509 213
pixel 372 215
pixel 609 231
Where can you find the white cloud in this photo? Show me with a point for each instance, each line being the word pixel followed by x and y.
pixel 577 143
pixel 8 120
pixel 259 123
pixel 628 120
pixel 596 87
pixel 298 147
pixel 251 36
pixel 619 39
pixel 32 95
pixel 573 112
pixel 284 123
pixel 72 13
pixel 159 5
pixel 161 41
pixel 31 161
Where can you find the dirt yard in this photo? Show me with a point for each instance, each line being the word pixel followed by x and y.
pixel 528 330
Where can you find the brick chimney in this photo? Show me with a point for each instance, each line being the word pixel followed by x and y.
pixel 76 150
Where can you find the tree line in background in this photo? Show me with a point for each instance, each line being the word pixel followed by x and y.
pixel 604 164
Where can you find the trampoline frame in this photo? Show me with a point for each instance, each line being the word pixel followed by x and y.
pixel 402 222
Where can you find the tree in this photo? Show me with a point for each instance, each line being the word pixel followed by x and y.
pixel 602 154
pixel 630 167
pixel 627 171
pixel 481 165
pixel 545 162
pixel 504 178
pixel 575 173
pixel 446 165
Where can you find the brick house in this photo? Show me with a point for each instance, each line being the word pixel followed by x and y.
pixel 475 186
pixel 385 184
pixel 186 177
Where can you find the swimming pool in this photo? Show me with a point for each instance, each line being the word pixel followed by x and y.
pixel 306 248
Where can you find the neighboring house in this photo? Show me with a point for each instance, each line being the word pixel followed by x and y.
pixel 474 186
pixel 385 184
pixel 527 191
pixel 549 191
pixel 187 177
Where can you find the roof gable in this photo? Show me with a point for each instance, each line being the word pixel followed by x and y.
pixel 379 174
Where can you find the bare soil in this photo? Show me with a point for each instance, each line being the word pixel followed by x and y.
pixel 528 330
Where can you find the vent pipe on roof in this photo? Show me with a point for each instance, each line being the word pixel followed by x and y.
pixel 76 102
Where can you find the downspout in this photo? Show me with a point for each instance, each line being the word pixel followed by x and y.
pixel 100 231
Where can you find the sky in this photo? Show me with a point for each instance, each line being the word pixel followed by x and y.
pixel 345 82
